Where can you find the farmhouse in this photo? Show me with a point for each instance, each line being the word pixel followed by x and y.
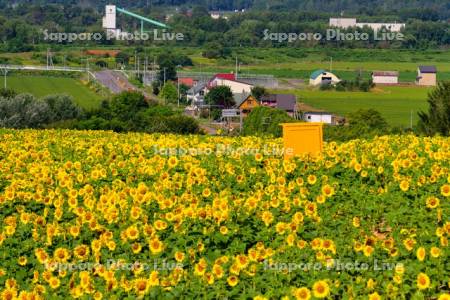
pixel 237 87
pixel 385 77
pixel 286 102
pixel 247 105
pixel 196 94
pixel 351 22
pixel 426 75
pixel 321 77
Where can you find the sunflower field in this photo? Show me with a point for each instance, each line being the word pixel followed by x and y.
pixel 100 215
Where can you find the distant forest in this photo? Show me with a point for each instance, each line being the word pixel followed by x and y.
pixel 22 21
pixel 434 8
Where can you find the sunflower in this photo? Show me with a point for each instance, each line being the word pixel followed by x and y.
pixel 404 185
pixel 172 161
pixel 423 281
pixel 156 246
pixel 206 192
pixel 22 260
pixel 444 297
pixel 435 252
pixel 136 248
pixel 223 230
pixel 445 190
pixel 321 289
pixel 420 253
pixel 217 270
pixel 267 217
pixel 312 179
pixel 232 280
pixel 302 293
pixel 374 296
pixel 432 202
pixel 81 252
pixel 179 256
pixel 141 286
pixel 258 157
pixel 54 282
pixel 61 254
pixel 368 250
pixel 132 232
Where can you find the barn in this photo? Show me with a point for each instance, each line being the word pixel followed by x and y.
pixel 426 75
pixel 321 77
pixel 385 77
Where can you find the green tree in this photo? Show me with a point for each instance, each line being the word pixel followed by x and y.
pixel 265 121
pixel 167 68
pixel 221 96
pixel 258 91
pixel 437 120
pixel 126 105
pixel 169 93
pixel 367 119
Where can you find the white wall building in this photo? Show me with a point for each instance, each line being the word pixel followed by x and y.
pixel 319 117
pixel 237 87
pixel 351 22
pixel 385 77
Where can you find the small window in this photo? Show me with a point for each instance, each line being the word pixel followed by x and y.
pixel 309 117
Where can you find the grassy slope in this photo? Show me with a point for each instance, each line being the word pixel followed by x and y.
pixel 394 103
pixel 44 85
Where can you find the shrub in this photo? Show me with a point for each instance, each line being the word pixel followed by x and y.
pixel 23 111
pixel 62 107
pixel 265 121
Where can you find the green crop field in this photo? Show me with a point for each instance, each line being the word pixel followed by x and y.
pixel 394 103
pixel 40 86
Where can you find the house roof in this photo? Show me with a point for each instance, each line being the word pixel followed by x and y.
pixel 239 98
pixel 238 104
pixel 385 73
pixel 317 113
pixel 283 101
pixel 427 69
pixel 186 81
pixel 229 76
pixel 196 88
pixel 317 73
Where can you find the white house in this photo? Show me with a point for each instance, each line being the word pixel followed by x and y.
pixel 196 94
pixel 321 77
pixel 351 22
pixel 318 117
pixel 385 77
pixel 237 87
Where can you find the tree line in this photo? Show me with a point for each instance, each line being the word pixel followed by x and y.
pixel 22 25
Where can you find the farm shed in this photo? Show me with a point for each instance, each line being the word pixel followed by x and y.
pixel 385 77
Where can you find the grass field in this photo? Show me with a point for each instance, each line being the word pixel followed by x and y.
pixel 40 86
pixel 394 103
pixel 280 62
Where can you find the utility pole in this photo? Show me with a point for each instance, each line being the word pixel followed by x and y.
pixel 5 72
pixel 145 68
pixel 236 72
pixel 135 60
pixel 411 120
pixel 178 90
pixel 164 75
pixel 138 66
pixel 87 68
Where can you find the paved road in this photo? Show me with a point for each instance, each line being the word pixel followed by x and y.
pixel 114 81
